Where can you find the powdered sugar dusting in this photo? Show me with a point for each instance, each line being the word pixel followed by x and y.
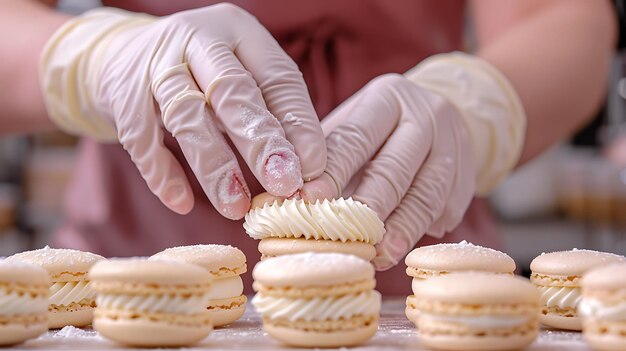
pixel 291 119
pixel 51 258
pixel 75 333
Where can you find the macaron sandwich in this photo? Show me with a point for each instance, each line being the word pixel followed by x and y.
pixel 224 264
pixel 23 302
pixel 557 276
pixel 294 226
pixel 477 311
pixel 151 303
pixel 436 260
pixel 603 307
pixel 317 299
pixel 71 299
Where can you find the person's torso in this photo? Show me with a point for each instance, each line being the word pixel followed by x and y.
pixel 338 45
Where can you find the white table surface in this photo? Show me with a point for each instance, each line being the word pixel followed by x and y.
pixel 395 333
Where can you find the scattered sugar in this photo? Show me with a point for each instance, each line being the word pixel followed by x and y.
pixel 292 119
pixel 227 189
pixel 73 332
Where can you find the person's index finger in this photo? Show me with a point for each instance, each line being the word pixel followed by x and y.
pixel 238 103
pixel 286 95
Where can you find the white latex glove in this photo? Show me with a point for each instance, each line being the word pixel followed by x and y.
pixel 121 76
pixel 417 152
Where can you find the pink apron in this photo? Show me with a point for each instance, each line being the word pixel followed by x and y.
pixel 339 46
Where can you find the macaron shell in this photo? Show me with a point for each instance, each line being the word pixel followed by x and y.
pixel 58 261
pixel 472 343
pixel 607 278
pixel 313 339
pixel 461 256
pixel 211 257
pixel 312 269
pixel 11 334
pixel 559 322
pixel 145 333
pixel 606 342
pixel 23 273
pixel 272 247
pixel 80 318
pixel 148 272
pixel 478 288
pixel 411 314
pixel 224 317
pixel 573 262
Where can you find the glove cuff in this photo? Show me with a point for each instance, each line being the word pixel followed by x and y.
pixel 68 69
pixel 489 106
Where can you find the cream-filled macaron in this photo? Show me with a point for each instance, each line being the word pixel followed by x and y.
pixel 71 299
pixel 317 299
pixel 23 302
pixel 557 276
pixel 294 226
pixel 151 303
pixel 431 261
pixel 225 264
pixel 603 307
pixel 477 311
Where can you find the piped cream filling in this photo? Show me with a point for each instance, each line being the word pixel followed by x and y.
pixel 596 309
pixel 415 283
pixel 13 303
pixel 226 288
pixel 560 296
pixel 65 293
pixel 366 303
pixel 178 304
pixel 477 322
pixel 339 220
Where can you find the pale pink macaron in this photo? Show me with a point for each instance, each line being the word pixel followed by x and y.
pixel 557 276
pixel 603 307
pixel 435 260
pixel 477 311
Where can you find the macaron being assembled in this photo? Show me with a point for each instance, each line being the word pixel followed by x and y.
pixel 477 311
pixel 557 276
pixel 435 260
pixel 23 302
pixel 317 299
pixel 225 264
pixel 71 299
pixel 295 226
pixel 151 303
pixel 603 307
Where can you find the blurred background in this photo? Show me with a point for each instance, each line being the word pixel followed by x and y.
pixel 572 196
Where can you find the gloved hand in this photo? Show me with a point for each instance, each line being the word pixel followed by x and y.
pixel 416 147
pixel 121 76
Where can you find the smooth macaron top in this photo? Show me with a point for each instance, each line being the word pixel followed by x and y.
pixel 477 288
pixel 611 277
pixel 58 261
pixel 23 273
pixel 133 270
pixel 210 257
pixel 312 269
pixel 573 262
pixel 461 256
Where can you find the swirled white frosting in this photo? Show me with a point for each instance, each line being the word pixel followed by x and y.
pixel 12 303
pixel 64 293
pixel 226 288
pixel 366 303
pixel 414 283
pixel 155 303
pixel 560 296
pixel 477 322
pixel 339 219
pixel 594 308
